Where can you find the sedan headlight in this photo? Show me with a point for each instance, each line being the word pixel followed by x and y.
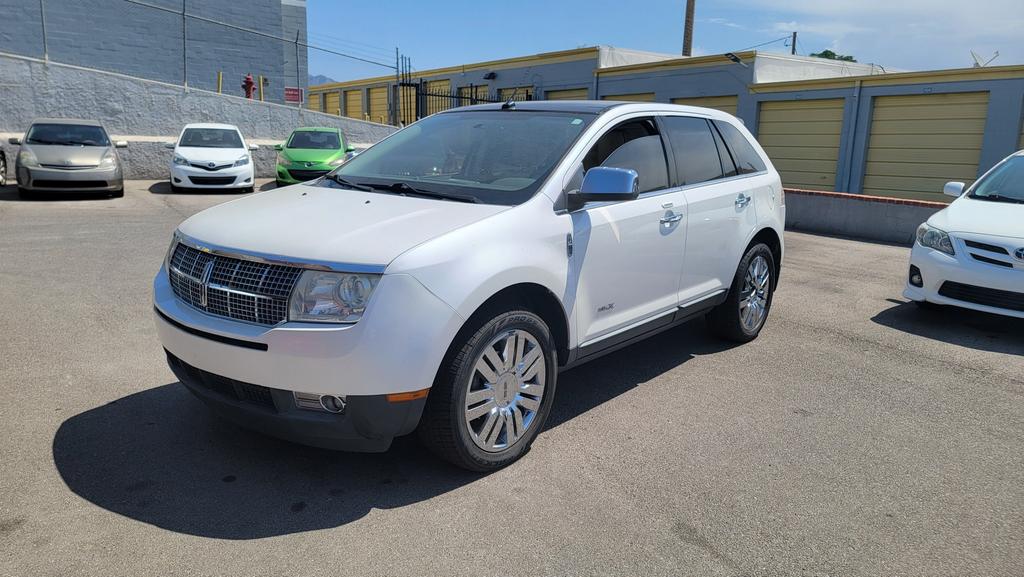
pixel 331 297
pixel 26 158
pixel 180 160
pixel 282 159
pixel 932 237
pixel 109 159
pixel 242 161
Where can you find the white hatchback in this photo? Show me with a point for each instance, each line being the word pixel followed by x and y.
pixel 212 156
pixel 440 281
pixel 971 254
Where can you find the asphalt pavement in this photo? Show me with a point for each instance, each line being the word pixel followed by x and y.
pixel 858 436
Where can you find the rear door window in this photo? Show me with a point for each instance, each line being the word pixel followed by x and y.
pixel 744 156
pixel 693 146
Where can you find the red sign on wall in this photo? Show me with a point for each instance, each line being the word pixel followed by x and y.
pixel 293 94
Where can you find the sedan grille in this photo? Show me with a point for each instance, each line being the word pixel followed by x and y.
pixel 999 299
pixel 307 174
pixel 244 290
pixel 212 180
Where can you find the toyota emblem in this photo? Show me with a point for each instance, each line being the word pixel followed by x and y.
pixel 211 165
pixel 1019 253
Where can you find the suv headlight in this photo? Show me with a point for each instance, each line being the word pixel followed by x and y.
pixel 26 158
pixel 932 237
pixel 109 158
pixel 331 297
pixel 242 161
pixel 180 160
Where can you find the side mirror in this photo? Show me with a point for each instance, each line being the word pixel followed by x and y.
pixel 349 148
pixel 277 147
pixel 604 184
pixel 953 189
pixel 170 145
pixel 121 144
pixel 15 141
pixel 253 147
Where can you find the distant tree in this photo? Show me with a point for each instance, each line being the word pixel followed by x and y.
pixel 828 54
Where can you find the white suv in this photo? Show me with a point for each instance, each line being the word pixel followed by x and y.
pixel 212 156
pixel 440 280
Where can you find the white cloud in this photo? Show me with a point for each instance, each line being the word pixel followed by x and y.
pixel 722 22
pixel 913 34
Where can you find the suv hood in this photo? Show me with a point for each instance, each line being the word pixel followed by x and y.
pixel 981 217
pixel 332 225
pixel 60 155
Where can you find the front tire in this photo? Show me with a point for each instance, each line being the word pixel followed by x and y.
pixel 3 171
pixel 745 310
pixel 493 393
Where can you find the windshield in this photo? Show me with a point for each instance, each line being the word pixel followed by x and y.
pixel 1004 184
pixel 67 135
pixel 314 140
pixel 211 138
pixel 493 157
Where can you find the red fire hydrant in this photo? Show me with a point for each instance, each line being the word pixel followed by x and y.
pixel 249 85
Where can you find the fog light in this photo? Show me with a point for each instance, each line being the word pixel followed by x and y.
pixel 915 276
pixel 318 402
pixel 332 403
pixel 177 180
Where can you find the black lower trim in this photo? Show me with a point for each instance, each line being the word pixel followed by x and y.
pixel 650 328
pixel 211 336
pixel 70 184
pixel 367 424
pixel 985 296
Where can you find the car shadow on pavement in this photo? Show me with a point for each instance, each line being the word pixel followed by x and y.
pixel 160 457
pixel 963 327
pixel 10 193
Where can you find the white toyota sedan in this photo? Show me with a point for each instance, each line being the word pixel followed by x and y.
pixel 212 156
pixel 971 254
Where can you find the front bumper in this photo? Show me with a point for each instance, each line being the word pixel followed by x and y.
pixel 225 178
pixel 299 172
pixel 108 179
pixel 396 347
pixel 367 424
pixel 937 268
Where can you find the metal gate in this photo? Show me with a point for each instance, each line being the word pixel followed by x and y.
pixel 417 98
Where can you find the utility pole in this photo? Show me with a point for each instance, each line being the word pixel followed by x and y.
pixel 688 28
pixel 792 44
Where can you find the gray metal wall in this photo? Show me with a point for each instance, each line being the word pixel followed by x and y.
pixel 148 42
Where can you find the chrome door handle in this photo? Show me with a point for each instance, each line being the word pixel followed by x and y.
pixel 742 200
pixel 671 218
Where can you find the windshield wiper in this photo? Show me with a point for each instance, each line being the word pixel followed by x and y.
pixel 406 189
pixel 339 180
pixel 997 198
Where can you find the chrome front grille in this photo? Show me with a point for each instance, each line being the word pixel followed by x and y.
pixel 244 290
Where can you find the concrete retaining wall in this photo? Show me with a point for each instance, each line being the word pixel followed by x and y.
pixel 857 215
pixel 150 113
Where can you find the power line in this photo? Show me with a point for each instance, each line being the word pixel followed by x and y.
pixel 258 33
pixel 763 44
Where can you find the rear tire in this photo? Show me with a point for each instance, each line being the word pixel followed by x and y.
pixel 492 394
pixel 745 310
pixel 3 171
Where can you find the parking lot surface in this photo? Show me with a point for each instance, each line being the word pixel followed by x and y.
pixel 858 435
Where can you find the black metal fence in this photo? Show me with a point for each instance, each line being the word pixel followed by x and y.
pixel 416 99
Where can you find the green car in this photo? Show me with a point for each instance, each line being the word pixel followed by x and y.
pixel 310 153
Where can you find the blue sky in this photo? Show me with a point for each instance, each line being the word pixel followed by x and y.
pixel 898 34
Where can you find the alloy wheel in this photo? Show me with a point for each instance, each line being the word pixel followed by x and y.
pixel 754 296
pixel 505 390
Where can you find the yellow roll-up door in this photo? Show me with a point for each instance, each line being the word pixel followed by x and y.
pixel 724 103
pixel 919 142
pixel 636 97
pixel 437 100
pixel 379 104
pixel 313 101
pixel 571 94
pixel 481 93
pixel 354 104
pixel 332 103
pixel 801 138
pixel 519 93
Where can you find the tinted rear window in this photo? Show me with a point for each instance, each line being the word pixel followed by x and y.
pixel 693 145
pixel 743 154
